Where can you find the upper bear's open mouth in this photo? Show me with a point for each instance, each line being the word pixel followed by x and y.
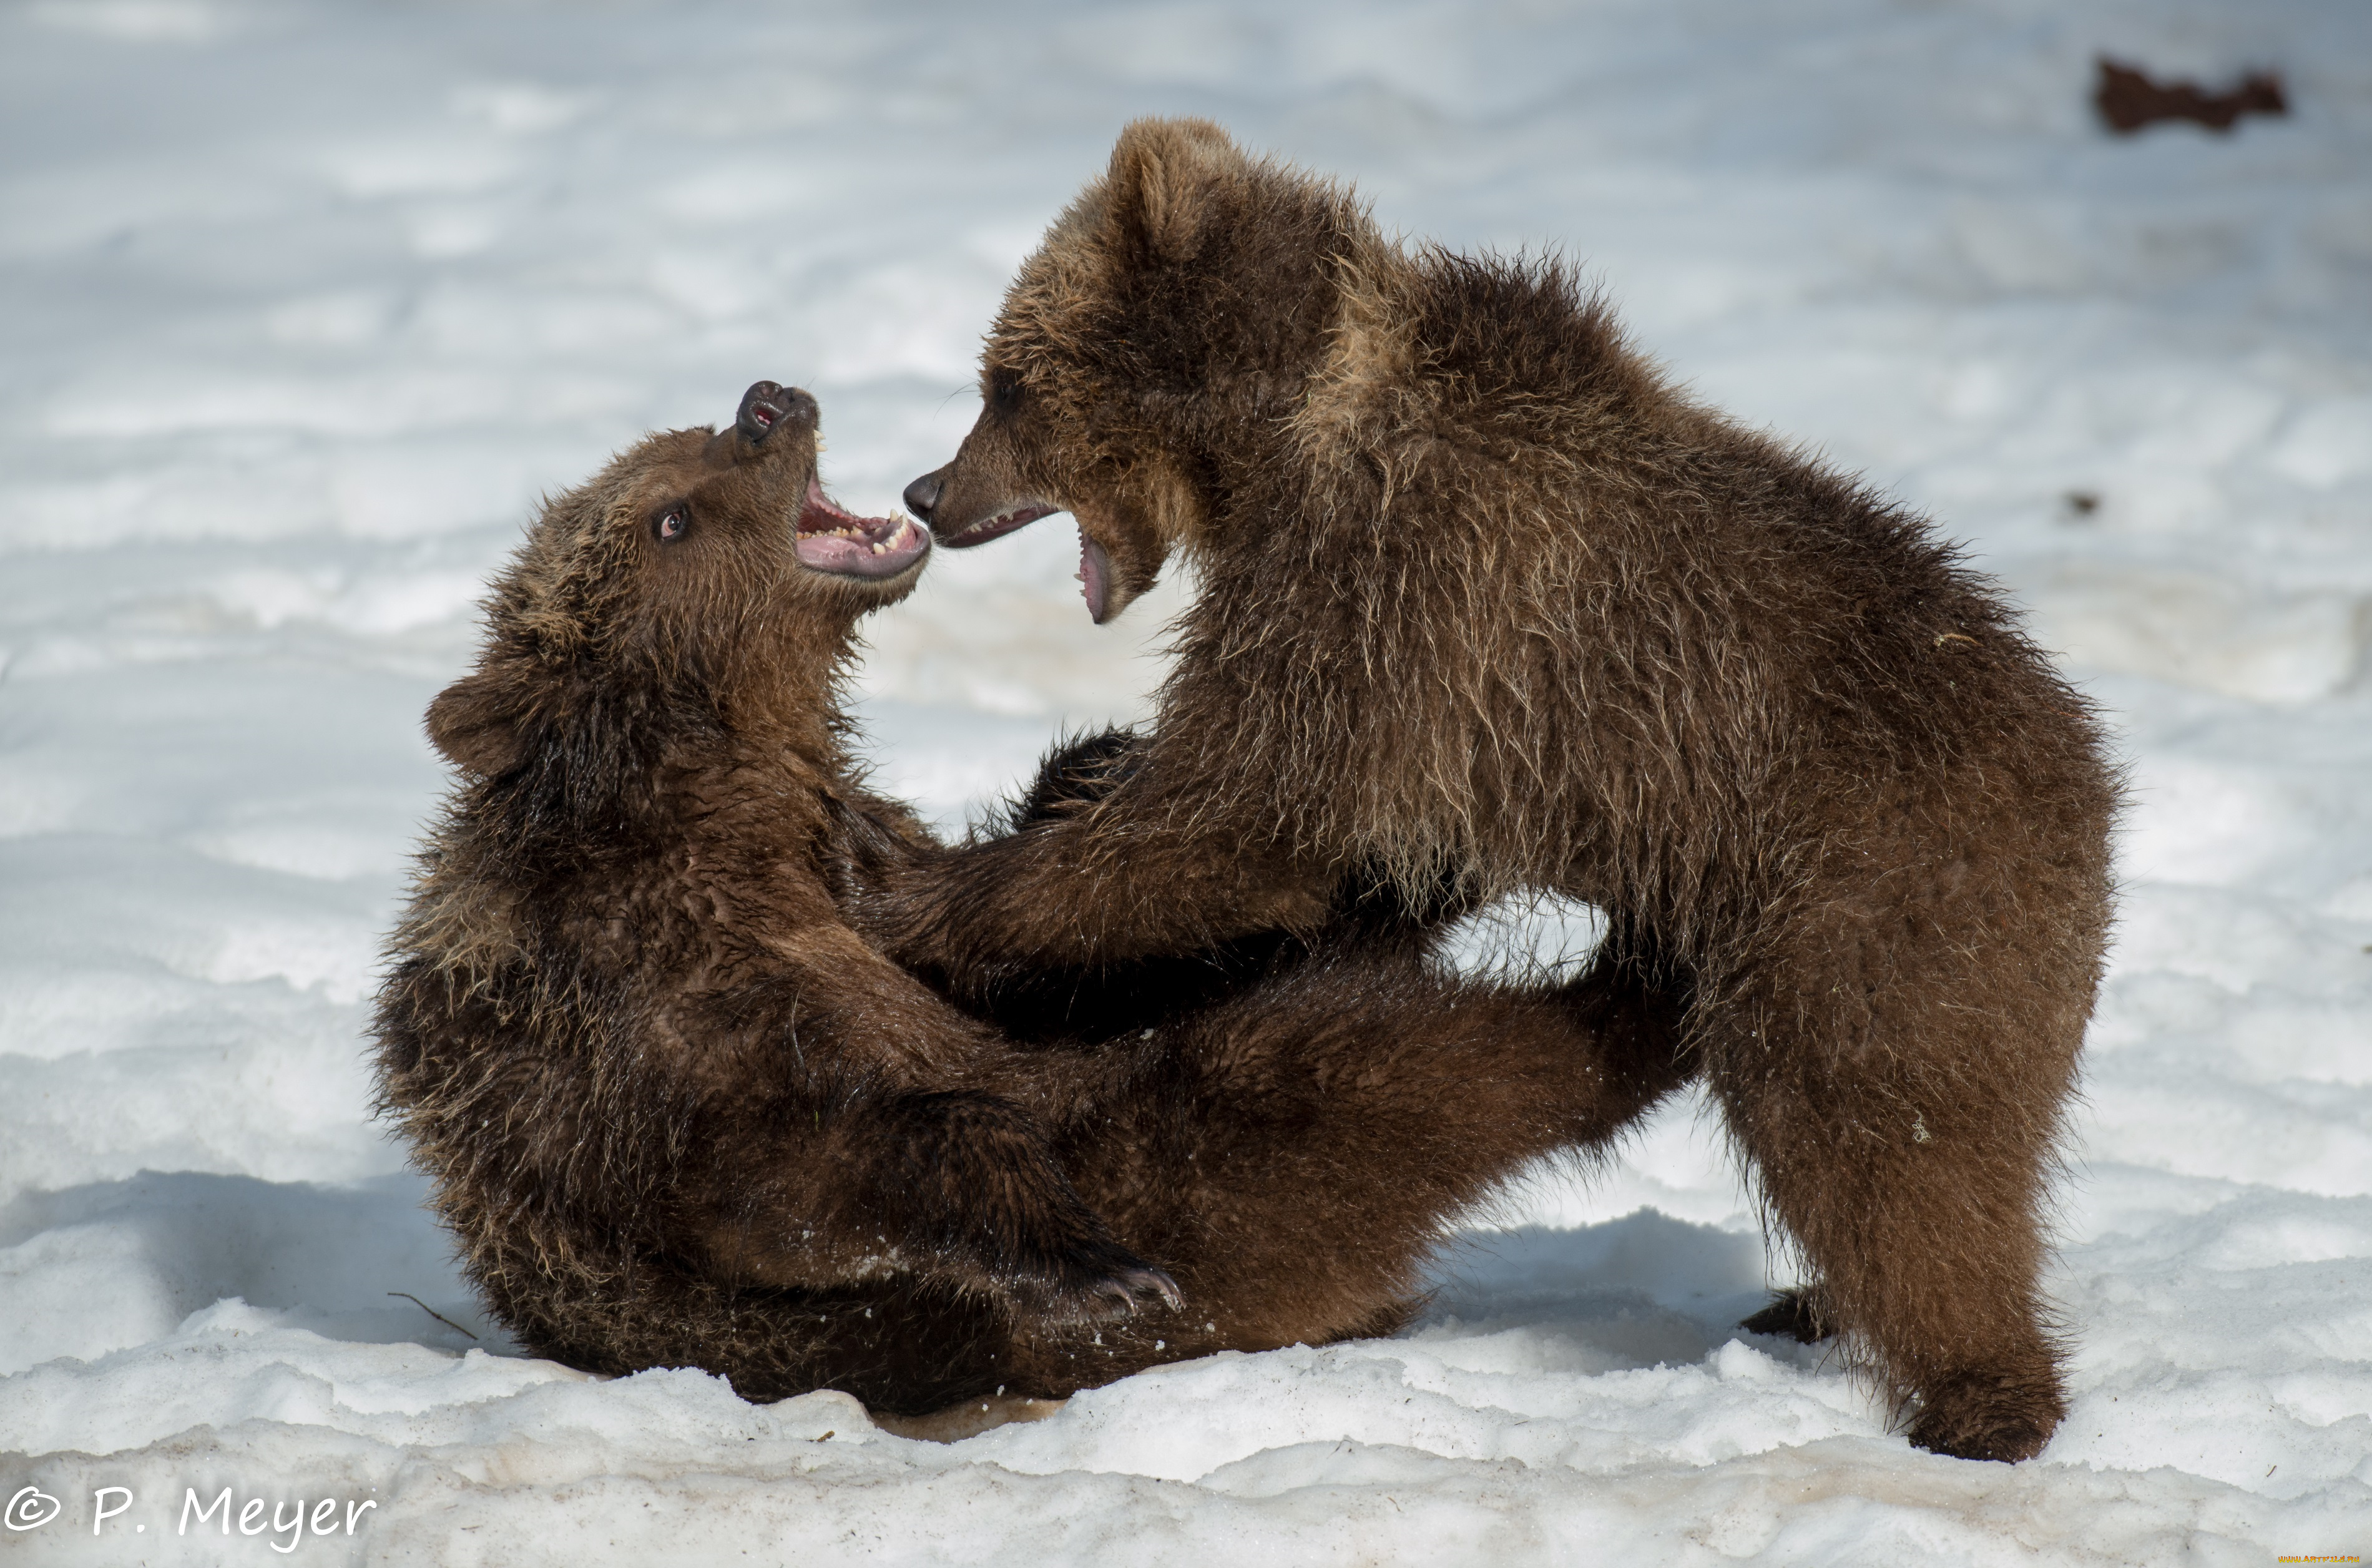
pixel 996 526
pixel 845 545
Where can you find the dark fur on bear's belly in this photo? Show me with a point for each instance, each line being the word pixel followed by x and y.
pixel 678 1113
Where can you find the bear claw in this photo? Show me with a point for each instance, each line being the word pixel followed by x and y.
pixel 1108 1289
pixel 1121 1292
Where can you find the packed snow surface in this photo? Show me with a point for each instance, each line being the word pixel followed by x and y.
pixel 304 305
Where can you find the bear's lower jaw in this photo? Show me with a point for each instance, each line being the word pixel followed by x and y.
pixel 995 526
pixel 881 552
pixel 843 545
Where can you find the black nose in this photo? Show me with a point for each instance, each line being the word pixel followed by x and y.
pixel 769 405
pixel 924 495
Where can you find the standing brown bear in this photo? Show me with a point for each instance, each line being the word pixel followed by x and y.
pixel 676 1111
pixel 1486 602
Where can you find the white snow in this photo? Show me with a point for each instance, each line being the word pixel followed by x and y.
pixel 305 303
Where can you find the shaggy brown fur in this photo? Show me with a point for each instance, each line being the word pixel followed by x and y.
pixel 677 1112
pixel 1485 602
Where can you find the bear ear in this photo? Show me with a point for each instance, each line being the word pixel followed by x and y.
pixel 478 723
pixel 1166 179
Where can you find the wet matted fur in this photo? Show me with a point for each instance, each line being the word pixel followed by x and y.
pixel 1486 602
pixel 678 1113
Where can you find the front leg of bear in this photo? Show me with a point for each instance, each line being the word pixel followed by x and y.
pixel 918 1162
pixel 1114 879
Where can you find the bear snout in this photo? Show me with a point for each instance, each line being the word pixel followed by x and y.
pixel 924 494
pixel 769 405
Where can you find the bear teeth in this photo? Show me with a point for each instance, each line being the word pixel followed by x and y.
pixel 863 532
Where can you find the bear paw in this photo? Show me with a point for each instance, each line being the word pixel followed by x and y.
pixel 1978 1416
pixel 1102 1282
pixel 1792 1315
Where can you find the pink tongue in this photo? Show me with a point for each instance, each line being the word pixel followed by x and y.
pixel 831 553
pixel 1095 576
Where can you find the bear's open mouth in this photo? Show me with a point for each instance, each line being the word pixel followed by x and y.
pixel 845 545
pixel 996 526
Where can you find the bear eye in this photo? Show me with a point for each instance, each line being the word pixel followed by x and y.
pixel 1004 391
pixel 671 524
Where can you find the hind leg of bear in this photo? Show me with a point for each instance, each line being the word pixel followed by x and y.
pixel 904 1346
pixel 1292 1157
pixel 1904 1149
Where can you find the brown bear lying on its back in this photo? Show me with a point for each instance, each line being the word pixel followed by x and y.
pixel 678 1113
pixel 1484 602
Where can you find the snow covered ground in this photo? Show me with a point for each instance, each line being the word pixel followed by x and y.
pixel 302 304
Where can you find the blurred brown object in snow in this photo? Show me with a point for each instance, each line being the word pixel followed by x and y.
pixel 2128 99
